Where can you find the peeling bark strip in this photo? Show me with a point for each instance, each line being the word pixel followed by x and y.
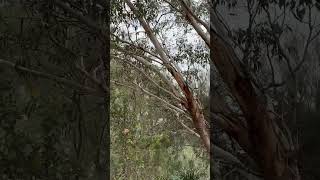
pixel 263 144
pixel 192 106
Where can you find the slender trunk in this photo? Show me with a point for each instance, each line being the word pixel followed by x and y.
pixel 190 103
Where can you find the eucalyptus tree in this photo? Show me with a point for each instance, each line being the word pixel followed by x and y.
pixel 161 61
pixel 243 55
pixel 237 49
pixel 165 60
pixel 54 104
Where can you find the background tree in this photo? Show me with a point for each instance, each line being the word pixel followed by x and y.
pixel 261 69
pixel 54 90
pixel 253 68
pixel 259 95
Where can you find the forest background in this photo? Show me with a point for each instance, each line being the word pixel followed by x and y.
pixel 57 89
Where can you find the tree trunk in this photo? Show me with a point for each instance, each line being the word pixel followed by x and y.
pixel 263 143
pixel 189 101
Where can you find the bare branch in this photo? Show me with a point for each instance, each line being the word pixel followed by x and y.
pixel 152 95
pixel 93 79
pixel 138 47
pixel 178 99
pixel 55 78
pixel 160 74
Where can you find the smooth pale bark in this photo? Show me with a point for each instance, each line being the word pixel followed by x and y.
pixel 196 22
pixel 191 103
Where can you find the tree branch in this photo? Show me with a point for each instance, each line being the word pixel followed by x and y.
pixel 192 106
pixel 192 18
pixel 55 78
pixel 85 20
pixel 178 99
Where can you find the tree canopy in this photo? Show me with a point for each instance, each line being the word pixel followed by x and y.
pixel 182 81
